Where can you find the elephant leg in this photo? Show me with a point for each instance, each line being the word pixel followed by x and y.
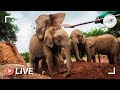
pixel 68 61
pixel 36 62
pixel 80 54
pixel 76 52
pixel 87 49
pixel 60 60
pixel 119 59
pixel 94 59
pixel 99 58
pixel 116 59
pixel 111 61
pixel 49 58
pixel 31 59
pixel 43 66
pixel 57 63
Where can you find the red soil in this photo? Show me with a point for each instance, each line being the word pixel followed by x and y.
pixel 90 70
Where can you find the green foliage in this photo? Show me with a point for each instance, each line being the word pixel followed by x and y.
pixel 94 32
pixel 72 56
pixel 25 55
pixel 8 30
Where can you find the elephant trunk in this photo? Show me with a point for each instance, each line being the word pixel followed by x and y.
pixel 68 60
pixel 87 49
pixel 76 52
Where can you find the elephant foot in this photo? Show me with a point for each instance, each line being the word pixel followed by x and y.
pixel 68 73
pixel 52 74
pixel 79 60
pixel 89 61
pixel 44 73
pixel 61 72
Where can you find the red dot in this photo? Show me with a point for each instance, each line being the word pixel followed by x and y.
pixel 9 70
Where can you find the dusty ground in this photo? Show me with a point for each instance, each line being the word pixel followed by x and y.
pixel 90 70
pixel 82 70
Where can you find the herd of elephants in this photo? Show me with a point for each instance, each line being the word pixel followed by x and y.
pixel 52 44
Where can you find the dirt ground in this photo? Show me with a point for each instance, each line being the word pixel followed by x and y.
pixel 90 70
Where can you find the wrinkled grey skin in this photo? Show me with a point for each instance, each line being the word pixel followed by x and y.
pixel 106 45
pixel 78 45
pixel 41 43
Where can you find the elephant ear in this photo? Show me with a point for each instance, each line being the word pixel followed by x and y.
pixel 83 39
pixel 57 19
pixel 90 41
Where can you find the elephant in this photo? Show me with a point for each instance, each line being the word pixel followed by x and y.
pixel 79 45
pixel 42 43
pixel 105 44
pixel 58 40
pixel 118 38
pixel 10 55
pixel 89 42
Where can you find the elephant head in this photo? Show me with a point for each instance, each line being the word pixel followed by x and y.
pixel 77 36
pixel 43 21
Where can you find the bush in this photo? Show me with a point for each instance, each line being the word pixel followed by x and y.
pixel 94 32
pixel 25 55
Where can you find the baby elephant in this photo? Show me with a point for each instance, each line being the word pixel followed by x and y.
pixel 78 45
pixel 105 44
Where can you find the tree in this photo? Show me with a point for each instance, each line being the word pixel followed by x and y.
pixel 116 29
pixel 25 55
pixel 8 30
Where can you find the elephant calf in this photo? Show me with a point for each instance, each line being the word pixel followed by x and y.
pixel 78 45
pixel 105 44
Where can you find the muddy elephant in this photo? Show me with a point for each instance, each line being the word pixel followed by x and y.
pixel 105 44
pixel 10 55
pixel 78 45
pixel 42 44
